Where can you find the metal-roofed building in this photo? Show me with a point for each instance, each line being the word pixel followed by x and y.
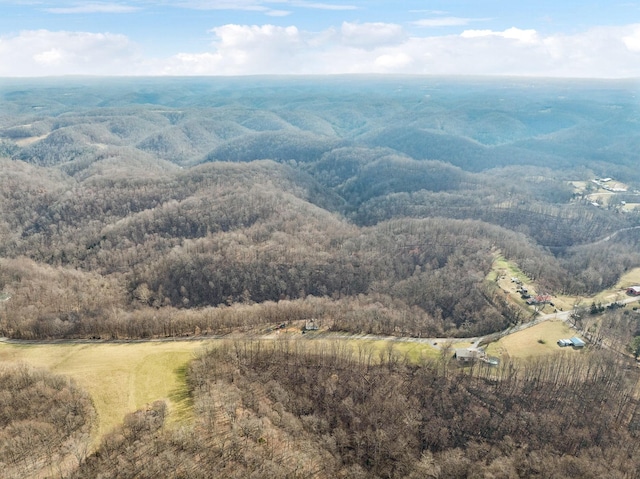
pixel 576 342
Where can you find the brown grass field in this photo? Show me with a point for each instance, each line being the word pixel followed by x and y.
pixel 124 377
pixel 538 340
pixel 504 270
pixel 120 378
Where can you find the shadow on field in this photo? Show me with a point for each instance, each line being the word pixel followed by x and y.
pixel 181 399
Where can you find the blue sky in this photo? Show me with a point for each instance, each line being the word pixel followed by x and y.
pixel 227 37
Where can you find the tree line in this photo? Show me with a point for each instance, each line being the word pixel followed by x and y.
pixel 45 423
pixel 300 409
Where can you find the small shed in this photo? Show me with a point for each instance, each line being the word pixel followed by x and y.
pixel 311 325
pixel 576 342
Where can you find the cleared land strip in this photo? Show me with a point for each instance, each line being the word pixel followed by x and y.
pixel 125 375
pixel 119 377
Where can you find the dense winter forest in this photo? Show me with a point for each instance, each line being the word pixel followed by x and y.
pixel 282 411
pixel 157 208
pixel 152 207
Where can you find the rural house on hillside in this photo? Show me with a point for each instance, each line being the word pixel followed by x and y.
pixel 467 355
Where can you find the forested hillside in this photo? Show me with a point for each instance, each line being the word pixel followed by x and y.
pixel 280 410
pixel 127 205
pixel 45 423
pixel 167 208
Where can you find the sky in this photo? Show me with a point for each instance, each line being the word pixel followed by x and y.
pixel 560 38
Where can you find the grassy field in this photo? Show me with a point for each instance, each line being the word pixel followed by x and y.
pixel 124 377
pixel 507 270
pixel 630 278
pixel 504 270
pixel 539 340
pixel 631 206
pixel 413 351
pixel 120 378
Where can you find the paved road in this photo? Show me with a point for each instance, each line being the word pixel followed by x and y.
pixel 436 342
pixel 613 235
pixel 475 341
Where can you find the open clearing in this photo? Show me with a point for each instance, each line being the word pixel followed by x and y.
pixel 503 270
pixel 120 378
pixel 506 269
pixel 124 377
pixel 538 340
pixel 630 278
pixel 363 346
pixel 618 292
pixel 414 352
pixel 30 140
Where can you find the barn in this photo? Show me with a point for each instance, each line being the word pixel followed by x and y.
pixel 633 291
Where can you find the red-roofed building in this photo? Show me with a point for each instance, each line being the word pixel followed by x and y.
pixel 634 291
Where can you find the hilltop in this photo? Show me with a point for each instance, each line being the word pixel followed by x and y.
pixel 136 209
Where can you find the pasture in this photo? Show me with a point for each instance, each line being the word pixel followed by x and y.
pixel 413 351
pixel 536 341
pixel 124 377
pixel 120 377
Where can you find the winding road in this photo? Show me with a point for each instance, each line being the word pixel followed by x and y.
pixel 435 342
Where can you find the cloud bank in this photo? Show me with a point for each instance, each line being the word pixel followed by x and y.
pixel 93 8
pixel 46 53
pixel 602 52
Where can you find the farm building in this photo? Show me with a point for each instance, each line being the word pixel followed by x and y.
pixel 576 342
pixel 311 325
pixel 467 355
pixel 634 291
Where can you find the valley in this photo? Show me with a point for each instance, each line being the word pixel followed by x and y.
pixel 164 242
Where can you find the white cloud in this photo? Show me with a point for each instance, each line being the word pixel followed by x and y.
pixel 609 52
pixel 386 48
pixel 261 5
pixel 243 36
pixel 241 49
pixel 524 36
pixel 241 5
pixel 221 5
pixel 94 8
pixel 392 62
pixel 430 12
pixel 49 58
pixel 41 52
pixel 277 13
pixel 323 6
pixel 632 40
pixel 371 35
pixel 443 22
